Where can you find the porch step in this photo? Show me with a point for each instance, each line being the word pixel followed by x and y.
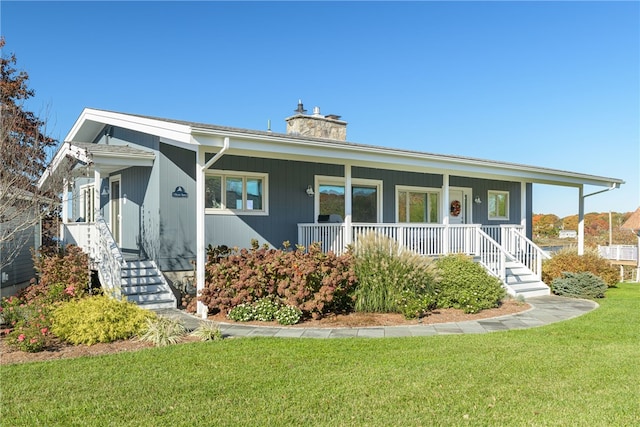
pixel 142 283
pixel 521 282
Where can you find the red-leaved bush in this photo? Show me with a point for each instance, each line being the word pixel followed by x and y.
pixel 317 283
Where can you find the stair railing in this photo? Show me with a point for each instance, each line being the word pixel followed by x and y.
pixel 491 255
pixel 110 260
pixel 524 250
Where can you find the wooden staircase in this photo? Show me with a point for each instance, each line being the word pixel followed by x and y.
pixel 142 283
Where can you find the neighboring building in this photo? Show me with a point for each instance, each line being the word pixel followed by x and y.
pixel 164 189
pixel 568 234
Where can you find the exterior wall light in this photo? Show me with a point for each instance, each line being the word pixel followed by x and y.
pixel 310 191
pixel 477 200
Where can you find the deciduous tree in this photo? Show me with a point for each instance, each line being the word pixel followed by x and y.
pixel 24 151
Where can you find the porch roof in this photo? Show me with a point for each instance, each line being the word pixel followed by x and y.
pixel 74 156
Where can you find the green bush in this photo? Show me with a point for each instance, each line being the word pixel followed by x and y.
pixel 466 285
pixel 207 331
pixel 568 260
pixel 315 282
pixel 579 285
pixel 241 313
pixel 288 315
pixel 99 319
pixel 265 309
pixel 390 279
pixel 163 331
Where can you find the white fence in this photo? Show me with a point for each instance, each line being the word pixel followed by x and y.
pixel 619 252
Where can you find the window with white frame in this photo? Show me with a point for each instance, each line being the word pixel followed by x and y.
pixel 240 192
pixel 415 204
pixel 87 202
pixel 498 204
pixel 366 196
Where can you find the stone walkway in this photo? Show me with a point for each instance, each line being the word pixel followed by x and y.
pixel 544 310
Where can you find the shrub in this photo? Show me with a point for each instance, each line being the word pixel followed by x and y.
pixel 163 331
pixel 579 285
pixel 241 313
pixel 29 337
pixel 265 309
pixel 315 282
pixel 568 260
pixel 466 285
pixel 207 331
pixel 62 275
pixel 288 315
pixel 99 319
pixel 391 279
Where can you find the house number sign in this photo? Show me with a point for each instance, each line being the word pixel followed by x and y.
pixel 179 192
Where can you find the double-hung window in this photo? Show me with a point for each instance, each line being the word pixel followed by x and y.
pixel 498 205
pixel 237 192
pixel 419 205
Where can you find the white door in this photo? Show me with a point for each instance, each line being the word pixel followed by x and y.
pixel 458 206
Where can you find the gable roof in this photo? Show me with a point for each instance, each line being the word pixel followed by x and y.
pixel 633 222
pixel 192 135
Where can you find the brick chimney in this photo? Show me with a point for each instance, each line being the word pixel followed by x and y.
pixel 316 125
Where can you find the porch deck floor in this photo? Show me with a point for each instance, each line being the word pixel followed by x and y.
pixel 544 310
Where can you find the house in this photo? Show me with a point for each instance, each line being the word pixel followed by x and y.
pixel 148 194
pixel 568 234
pixel 20 233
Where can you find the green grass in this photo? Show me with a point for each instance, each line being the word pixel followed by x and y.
pixel 581 372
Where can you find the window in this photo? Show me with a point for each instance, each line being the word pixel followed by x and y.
pixel 365 198
pixel 417 205
pixel 235 191
pixel 498 204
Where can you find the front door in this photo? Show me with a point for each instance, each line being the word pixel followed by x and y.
pixel 458 206
pixel 115 217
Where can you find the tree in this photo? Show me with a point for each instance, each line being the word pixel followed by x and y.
pixel 24 151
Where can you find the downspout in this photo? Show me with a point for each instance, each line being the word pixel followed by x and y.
pixel 581 214
pixel 201 258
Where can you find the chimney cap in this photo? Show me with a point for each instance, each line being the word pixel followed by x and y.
pixel 300 109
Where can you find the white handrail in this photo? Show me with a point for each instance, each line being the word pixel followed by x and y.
pixel 110 260
pixel 524 250
pixel 491 255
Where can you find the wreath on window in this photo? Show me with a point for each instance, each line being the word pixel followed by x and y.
pixel 455 208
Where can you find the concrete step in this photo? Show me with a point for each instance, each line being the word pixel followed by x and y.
pixel 158 305
pixel 143 289
pixel 147 280
pixel 141 298
pixel 139 272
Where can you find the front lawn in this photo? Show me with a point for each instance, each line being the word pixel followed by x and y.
pixel 582 372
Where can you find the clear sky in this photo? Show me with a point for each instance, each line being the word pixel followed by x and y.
pixel 552 84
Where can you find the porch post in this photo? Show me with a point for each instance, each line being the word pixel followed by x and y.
pixel 65 208
pixel 200 247
pixel 445 213
pixel 348 232
pixel 523 207
pixel 580 220
pixel 97 186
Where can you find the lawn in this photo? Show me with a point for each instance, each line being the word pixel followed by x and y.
pixel 581 372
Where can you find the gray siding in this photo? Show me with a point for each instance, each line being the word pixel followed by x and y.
pixel 288 202
pixel 20 268
pixel 176 238
pixel 481 187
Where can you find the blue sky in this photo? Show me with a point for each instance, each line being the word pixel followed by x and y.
pixel 552 84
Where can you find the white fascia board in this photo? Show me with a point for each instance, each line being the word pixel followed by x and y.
pixel 382 158
pixel 84 128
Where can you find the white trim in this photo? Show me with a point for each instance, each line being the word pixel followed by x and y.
pixel 112 179
pixel 507 202
pixel 422 190
pixel 225 210
pixel 465 202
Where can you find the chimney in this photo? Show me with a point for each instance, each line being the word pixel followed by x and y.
pixel 316 125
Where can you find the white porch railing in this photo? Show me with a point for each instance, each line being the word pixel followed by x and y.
pixel 493 245
pixel 83 235
pixel 619 252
